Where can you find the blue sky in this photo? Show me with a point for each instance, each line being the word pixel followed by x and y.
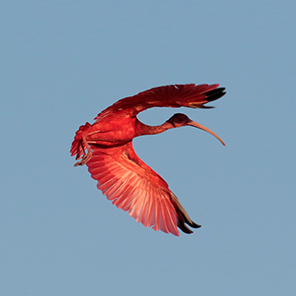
pixel 62 62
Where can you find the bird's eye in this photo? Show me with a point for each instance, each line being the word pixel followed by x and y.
pixel 179 118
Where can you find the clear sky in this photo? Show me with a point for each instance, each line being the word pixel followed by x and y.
pixel 62 62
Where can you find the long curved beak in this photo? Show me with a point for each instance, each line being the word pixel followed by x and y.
pixel 195 124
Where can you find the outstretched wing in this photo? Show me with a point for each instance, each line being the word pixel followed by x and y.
pixel 178 95
pixel 134 187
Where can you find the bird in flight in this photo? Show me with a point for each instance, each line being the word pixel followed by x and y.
pixel 106 148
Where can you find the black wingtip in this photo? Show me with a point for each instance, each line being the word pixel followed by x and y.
pixel 215 94
pixel 194 225
pixel 185 229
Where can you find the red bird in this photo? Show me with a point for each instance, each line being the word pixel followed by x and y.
pixel 106 148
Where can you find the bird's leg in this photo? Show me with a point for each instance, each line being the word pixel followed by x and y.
pixel 86 156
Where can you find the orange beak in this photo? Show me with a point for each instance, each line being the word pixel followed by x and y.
pixel 195 124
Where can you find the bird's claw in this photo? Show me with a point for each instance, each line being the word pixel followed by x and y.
pixel 84 160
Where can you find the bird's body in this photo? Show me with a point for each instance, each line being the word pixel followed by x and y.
pixel 106 148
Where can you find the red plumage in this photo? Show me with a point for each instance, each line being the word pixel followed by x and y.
pixel 106 148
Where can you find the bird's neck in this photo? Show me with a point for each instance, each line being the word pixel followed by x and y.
pixel 143 129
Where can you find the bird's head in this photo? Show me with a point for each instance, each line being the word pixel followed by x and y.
pixel 179 119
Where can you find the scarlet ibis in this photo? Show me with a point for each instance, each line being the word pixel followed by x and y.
pixel 106 148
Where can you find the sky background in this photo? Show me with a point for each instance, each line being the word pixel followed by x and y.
pixel 62 62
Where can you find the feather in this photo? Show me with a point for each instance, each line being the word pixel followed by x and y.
pixel 125 181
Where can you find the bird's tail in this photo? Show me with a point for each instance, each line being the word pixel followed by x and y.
pixel 78 147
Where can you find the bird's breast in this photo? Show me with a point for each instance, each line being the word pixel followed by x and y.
pixel 111 133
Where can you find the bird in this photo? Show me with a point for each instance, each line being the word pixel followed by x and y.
pixel 106 147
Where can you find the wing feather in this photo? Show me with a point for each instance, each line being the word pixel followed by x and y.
pixel 133 186
pixel 178 95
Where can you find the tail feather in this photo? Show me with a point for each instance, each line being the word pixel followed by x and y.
pixel 78 147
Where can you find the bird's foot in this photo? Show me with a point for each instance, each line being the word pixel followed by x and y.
pixel 84 159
